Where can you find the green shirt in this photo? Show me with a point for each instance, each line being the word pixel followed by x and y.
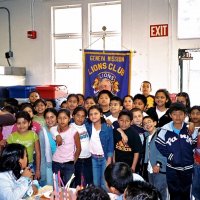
pixel 27 139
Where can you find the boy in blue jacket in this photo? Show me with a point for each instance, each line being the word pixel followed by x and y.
pixel 176 143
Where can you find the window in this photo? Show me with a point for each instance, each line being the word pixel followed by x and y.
pixel 105 15
pixel 188 19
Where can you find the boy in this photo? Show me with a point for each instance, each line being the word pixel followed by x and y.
pixel 104 97
pixel 175 143
pixel 156 162
pixel 117 177
pixel 140 101
pixel 127 152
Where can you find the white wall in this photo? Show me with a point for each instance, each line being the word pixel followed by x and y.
pixel 156 59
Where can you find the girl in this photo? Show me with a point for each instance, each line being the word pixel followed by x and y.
pixel 40 106
pixel 48 147
pixel 35 126
pixel 89 101
pixel 72 103
pixel 160 110
pixel 81 99
pixel 68 146
pixel 101 144
pixel 28 138
pixel 33 96
pixel 128 102
pixel 83 166
pixel 15 176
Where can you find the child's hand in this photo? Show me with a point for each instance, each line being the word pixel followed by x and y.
pixel 3 143
pixel 59 140
pixel 27 173
pixel 108 122
pixel 35 189
pixel 156 169
pixel 37 175
pixel 191 128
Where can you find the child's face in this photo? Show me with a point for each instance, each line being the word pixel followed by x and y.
pixel 138 103
pixel 50 119
pixel 22 125
pixel 104 100
pixel 40 108
pixel 33 97
pixel 149 125
pixel 178 117
pixel 79 118
pixel 137 118
pixel 81 100
pixel 128 103
pixel 94 115
pixel 64 105
pixel 145 89
pixel 72 103
pixel 181 100
pixel 63 120
pixel 115 107
pixel 24 161
pixel 195 116
pixel 29 111
pixel 124 122
pixel 49 104
pixel 160 99
pixel 89 103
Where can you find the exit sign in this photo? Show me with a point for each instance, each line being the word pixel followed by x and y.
pixel 159 30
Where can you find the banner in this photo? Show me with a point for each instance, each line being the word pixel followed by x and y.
pixel 113 67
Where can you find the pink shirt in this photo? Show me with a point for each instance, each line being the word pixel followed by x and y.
pixel 64 152
pixel 36 127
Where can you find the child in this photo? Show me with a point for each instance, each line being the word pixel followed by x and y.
pixel 89 101
pixel 28 138
pixel 81 99
pixel 140 101
pixel 68 146
pixel 175 143
pixel 160 111
pixel 156 162
pixel 72 103
pixel 39 106
pixel 101 144
pixel 104 97
pixel 146 90
pixel 115 108
pixel 129 152
pixel 50 103
pixel 35 126
pixel 33 96
pixel 128 102
pixel 118 176
pixel 15 176
pixel 47 146
pixel 83 166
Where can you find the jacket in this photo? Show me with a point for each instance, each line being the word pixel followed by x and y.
pixel 178 148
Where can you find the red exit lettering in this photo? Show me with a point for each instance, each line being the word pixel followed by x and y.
pixel 160 30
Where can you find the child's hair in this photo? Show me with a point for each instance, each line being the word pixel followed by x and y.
pixel 11 101
pixel 168 103
pixel 39 101
pixel 79 108
pixel 79 94
pixel 194 108
pixel 34 91
pixel 91 97
pixel 92 193
pixel 127 96
pixel 187 98
pixel 52 101
pixel 9 159
pixel 26 105
pixel 105 92
pixel 65 101
pixel 146 82
pixel 11 109
pixel 72 95
pixel 67 112
pixel 97 107
pixel 118 99
pixel 148 117
pixel 52 110
pixel 26 116
pixel 177 107
pixel 118 175
pixel 141 97
pixel 136 110
pixel 127 113
pixel 140 190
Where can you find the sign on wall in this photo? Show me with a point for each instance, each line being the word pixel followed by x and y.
pixel 112 66
pixel 159 30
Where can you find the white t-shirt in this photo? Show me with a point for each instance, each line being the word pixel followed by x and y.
pixel 84 138
pixel 160 113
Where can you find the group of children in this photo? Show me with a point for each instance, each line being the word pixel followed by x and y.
pixel 154 137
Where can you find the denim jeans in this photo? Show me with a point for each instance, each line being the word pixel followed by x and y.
pixel 160 182
pixel 98 167
pixel 196 182
pixel 66 170
pixel 83 168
